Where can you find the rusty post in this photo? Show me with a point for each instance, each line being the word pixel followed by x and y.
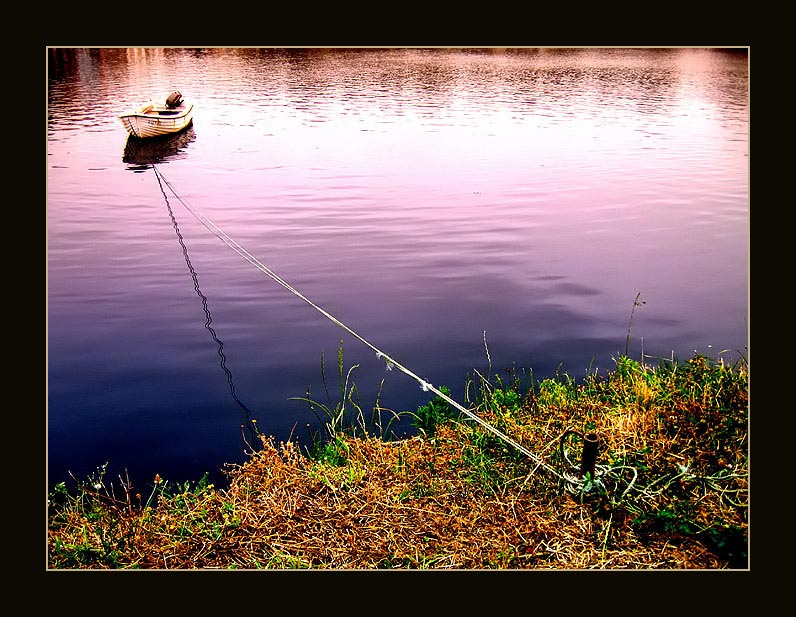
pixel 588 457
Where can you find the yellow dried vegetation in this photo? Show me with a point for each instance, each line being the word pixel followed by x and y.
pixel 671 492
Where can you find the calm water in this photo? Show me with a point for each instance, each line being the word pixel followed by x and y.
pixel 428 199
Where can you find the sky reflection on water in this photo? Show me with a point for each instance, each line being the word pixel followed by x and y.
pixel 427 198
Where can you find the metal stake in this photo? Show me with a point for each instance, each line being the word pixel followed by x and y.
pixel 588 457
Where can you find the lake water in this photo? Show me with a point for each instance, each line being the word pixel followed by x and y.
pixel 431 200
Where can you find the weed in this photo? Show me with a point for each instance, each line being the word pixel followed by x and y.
pixel 630 321
pixel 346 415
pixel 438 411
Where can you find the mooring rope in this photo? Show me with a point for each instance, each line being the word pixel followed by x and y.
pixel 391 362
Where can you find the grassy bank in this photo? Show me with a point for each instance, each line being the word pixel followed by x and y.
pixel 668 488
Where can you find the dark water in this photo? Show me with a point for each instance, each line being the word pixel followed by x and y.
pixel 429 199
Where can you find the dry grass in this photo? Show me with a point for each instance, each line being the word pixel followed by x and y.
pixel 459 499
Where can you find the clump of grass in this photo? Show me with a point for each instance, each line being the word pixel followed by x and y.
pixel 346 415
pixel 93 527
pixel 438 411
pixel 670 488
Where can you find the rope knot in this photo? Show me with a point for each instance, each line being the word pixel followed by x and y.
pixel 382 356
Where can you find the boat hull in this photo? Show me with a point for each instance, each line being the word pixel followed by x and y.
pixel 156 121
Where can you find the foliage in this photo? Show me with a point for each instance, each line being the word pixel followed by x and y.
pixel 438 411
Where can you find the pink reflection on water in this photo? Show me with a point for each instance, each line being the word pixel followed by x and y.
pixel 422 197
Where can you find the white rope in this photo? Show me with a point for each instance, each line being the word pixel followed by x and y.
pixel 391 362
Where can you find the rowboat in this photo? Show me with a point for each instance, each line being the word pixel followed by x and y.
pixel 157 119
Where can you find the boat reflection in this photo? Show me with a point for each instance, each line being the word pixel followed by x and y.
pixel 139 153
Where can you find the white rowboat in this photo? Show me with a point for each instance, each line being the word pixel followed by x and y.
pixel 157 119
